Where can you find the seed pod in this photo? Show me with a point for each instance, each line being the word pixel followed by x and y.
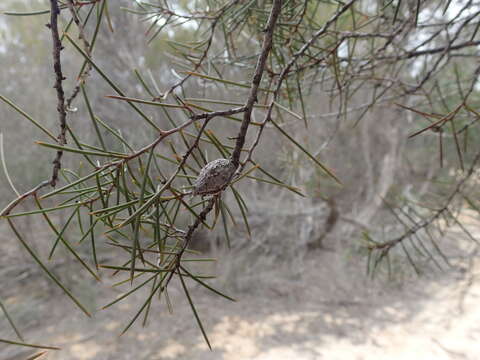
pixel 214 177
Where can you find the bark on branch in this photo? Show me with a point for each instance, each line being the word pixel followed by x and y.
pixel 57 66
pixel 257 78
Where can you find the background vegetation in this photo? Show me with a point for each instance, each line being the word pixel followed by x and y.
pixel 360 137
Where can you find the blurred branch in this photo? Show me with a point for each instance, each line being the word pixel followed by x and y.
pixel 387 245
pixel 199 63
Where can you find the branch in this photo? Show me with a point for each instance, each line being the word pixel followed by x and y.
pixel 22 197
pixel 57 66
pixel 257 78
pixel 62 104
pixel 247 110
pixel 86 46
pixel 284 74
pixel 387 245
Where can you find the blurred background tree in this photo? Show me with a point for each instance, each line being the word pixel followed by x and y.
pixel 355 122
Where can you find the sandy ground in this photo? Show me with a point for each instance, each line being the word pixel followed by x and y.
pixel 331 312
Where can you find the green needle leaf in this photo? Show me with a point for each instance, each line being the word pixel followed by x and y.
pixel 323 167
pixel 29 118
pixel 44 268
pixel 28 345
pixel 199 322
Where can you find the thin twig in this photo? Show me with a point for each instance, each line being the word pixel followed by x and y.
pixel 86 48
pixel 57 66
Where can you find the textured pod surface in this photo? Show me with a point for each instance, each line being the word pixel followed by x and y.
pixel 213 177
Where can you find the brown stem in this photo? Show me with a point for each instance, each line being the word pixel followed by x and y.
pixel 257 78
pixel 57 66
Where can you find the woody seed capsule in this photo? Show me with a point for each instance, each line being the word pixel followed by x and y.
pixel 214 177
